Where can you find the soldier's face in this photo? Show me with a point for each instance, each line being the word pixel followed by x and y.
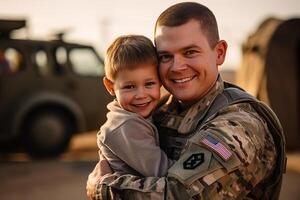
pixel 188 65
pixel 138 90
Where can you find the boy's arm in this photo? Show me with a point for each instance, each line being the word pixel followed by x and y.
pixel 142 147
pixel 135 143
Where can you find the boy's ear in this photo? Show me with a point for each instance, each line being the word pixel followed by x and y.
pixel 109 86
pixel 221 49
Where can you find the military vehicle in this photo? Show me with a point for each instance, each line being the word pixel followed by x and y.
pixel 49 91
pixel 270 71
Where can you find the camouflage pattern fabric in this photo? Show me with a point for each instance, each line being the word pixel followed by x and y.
pixel 114 186
pixel 252 159
pixel 225 158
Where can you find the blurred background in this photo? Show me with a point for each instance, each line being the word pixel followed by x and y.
pixel 53 54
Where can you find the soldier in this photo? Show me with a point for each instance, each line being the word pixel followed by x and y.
pixel 227 144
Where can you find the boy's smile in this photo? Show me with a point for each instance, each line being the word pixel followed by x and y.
pixel 138 90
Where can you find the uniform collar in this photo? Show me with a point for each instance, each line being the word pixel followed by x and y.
pixel 197 110
pixel 183 117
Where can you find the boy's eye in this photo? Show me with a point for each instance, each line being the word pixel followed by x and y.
pixel 149 84
pixel 128 87
pixel 164 58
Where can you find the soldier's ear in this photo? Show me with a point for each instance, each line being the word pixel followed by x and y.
pixel 109 85
pixel 221 49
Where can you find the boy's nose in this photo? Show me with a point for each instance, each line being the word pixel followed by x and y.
pixel 140 93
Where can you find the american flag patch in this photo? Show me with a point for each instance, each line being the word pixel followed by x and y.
pixel 217 147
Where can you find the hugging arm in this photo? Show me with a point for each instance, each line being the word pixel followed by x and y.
pixel 204 171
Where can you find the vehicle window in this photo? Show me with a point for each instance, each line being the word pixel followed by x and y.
pixel 86 62
pixel 41 61
pixel 61 55
pixel 60 59
pixel 10 61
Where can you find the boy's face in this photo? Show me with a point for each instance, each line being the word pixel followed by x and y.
pixel 188 65
pixel 138 90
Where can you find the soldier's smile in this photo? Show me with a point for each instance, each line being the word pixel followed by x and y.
pixel 183 80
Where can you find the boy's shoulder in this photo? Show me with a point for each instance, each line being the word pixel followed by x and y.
pixel 129 126
pixel 118 117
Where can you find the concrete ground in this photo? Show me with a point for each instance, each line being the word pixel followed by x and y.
pixel 65 177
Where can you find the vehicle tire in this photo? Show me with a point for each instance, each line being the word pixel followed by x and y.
pixel 47 133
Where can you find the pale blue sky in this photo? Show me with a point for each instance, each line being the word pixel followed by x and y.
pixel 99 21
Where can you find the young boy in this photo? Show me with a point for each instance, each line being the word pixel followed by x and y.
pixel 128 139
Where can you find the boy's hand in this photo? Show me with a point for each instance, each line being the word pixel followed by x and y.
pixel 102 168
pixel 92 183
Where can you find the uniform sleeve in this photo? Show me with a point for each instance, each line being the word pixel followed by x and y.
pixel 134 143
pixel 225 159
pixel 114 186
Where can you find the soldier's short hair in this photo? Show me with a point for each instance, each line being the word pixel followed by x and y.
pixel 129 52
pixel 181 13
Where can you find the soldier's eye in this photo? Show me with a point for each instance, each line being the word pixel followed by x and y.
pixel 190 53
pixel 163 58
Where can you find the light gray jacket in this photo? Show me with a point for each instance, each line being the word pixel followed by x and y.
pixel 131 144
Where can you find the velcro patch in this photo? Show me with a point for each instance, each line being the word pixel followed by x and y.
pixel 192 157
pixel 217 147
pixel 193 161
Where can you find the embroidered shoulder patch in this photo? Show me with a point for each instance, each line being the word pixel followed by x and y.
pixel 193 161
pixel 217 147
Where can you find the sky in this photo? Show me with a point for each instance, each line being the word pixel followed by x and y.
pixel 98 22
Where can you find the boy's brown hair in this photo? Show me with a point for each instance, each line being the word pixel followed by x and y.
pixel 181 13
pixel 128 52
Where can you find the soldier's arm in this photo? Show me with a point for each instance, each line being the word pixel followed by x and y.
pixel 115 186
pixel 225 159
pixel 103 184
pixel 102 168
pixel 244 154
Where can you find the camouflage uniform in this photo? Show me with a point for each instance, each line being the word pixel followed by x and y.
pixel 227 154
